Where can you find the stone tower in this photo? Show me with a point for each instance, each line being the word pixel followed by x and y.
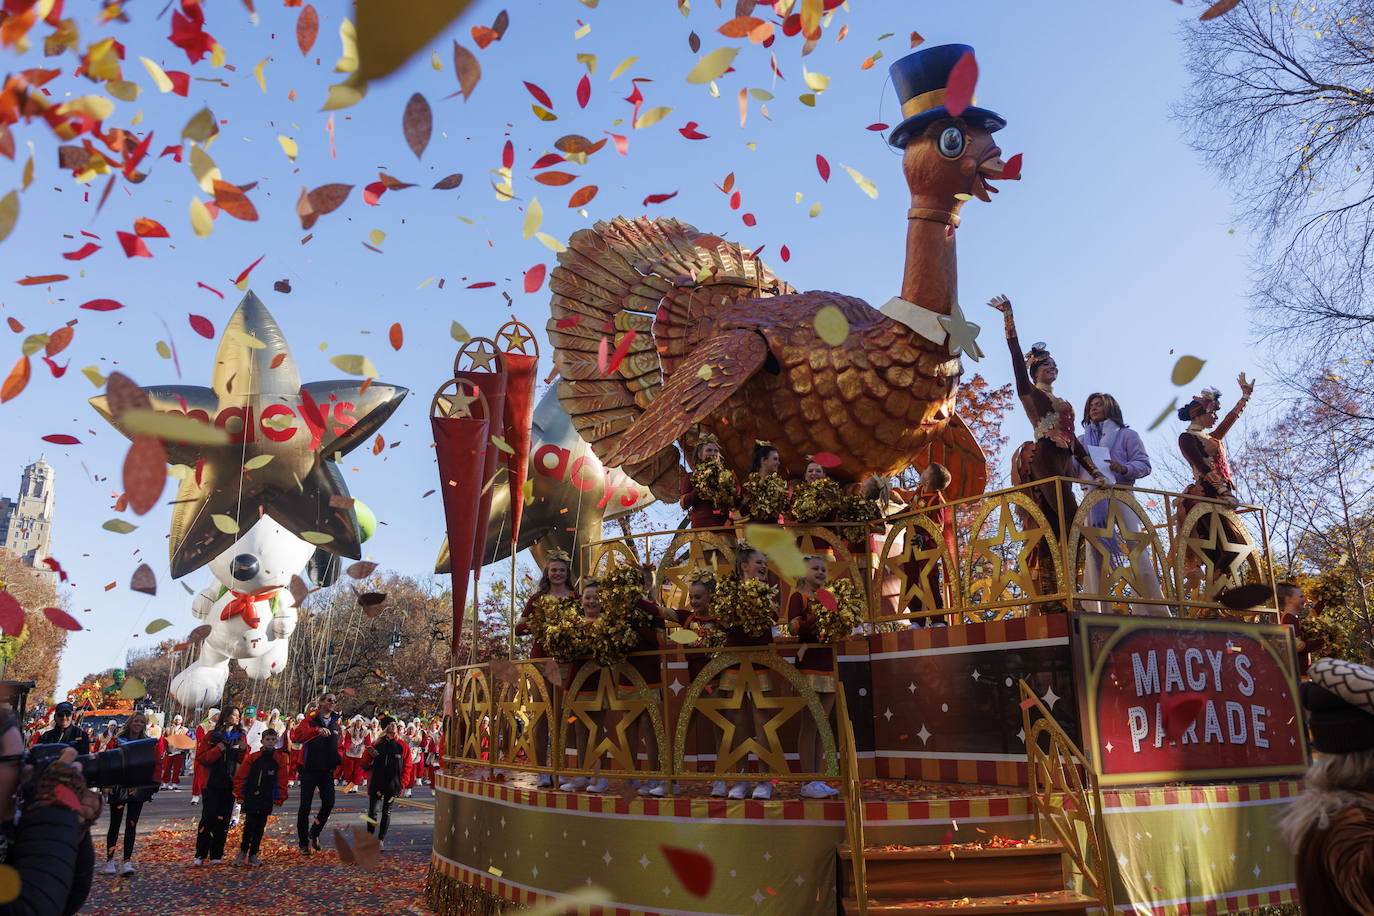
pixel 26 521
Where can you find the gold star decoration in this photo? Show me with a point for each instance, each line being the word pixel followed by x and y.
pixel 963 334
pixel 480 352
pixel 770 751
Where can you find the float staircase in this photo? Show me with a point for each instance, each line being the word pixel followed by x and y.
pixel 961 880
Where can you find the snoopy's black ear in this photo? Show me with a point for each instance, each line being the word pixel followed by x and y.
pixel 324 568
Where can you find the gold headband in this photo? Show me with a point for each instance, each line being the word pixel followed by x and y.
pixel 926 101
pixel 555 555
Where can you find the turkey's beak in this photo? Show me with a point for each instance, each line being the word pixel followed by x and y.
pixel 991 169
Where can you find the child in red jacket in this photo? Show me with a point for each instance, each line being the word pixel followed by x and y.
pixel 260 785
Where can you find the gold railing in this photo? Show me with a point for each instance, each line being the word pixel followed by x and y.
pixel 1125 550
pixel 1065 794
pixel 853 802
pixel 742 704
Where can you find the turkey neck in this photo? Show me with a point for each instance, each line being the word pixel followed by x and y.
pixel 931 276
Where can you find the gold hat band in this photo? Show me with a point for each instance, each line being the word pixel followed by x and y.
pixel 926 101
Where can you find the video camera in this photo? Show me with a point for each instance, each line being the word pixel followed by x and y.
pixel 128 766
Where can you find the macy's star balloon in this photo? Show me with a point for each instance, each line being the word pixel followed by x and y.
pixel 284 442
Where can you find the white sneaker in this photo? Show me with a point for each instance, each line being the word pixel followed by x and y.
pixel 598 785
pixel 545 781
pixel 657 789
pixel 763 791
pixel 216 861
pixel 644 788
pixel 254 861
pixel 195 799
pixel 739 790
pixel 111 867
pixel 128 868
pixel 196 863
pixel 818 790
pixel 577 784
pixel 718 789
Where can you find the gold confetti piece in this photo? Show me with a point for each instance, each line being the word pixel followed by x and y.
pixel 1167 412
pixel 683 637
pixel 204 169
pixel 119 526
pixel 815 210
pixel 226 524
pixel 257 461
pixel 348 39
pixel 258 73
pixel 779 546
pixel 289 147
pixel 653 116
pixel 316 537
pixel 459 333
pixel 157 625
pixel 502 445
pixel 376 236
pixel 815 81
pixel 160 77
pixel 712 66
pixel 831 325
pixel 583 32
pixel 624 65
pixel 133 687
pixel 864 184
pixel 551 243
pixel 705 372
pixel 534 216
pixel 201 222
pixel 354 364
pixel 342 95
pixel 589 61
pixel 9 214
pixel 93 376
pixel 171 427
pixel 1186 369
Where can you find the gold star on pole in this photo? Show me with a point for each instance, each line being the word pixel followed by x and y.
pixel 963 334
pixel 513 339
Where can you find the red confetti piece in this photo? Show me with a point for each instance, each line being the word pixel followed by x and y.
pixel 210 288
pixel 826 459
pixel 15 325
pixel 691 132
pixel 202 326
pixel 1181 712
pixel 658 198
pixel 749 220
pixel 11 615
pixel 243 275
pixel 823 167
pixel 61 439
pixel 134 246
pixel 826 599
pixel 695 871
pixel 85 251
pixel 534 278
pixel 963 78
pixel 569 322
pixel 547 160
pixel 58 340
pixel 485 284
pixel 620 351
pixel 1028 703
pixel 622 144
pixel 1011 170
pixel 56 370
pixel 181 84
pixel 60 618
pixel 582 196
pixel 373 193
pixel 307 28
pixel 38 281
pixel 145 473
pixel 150 228
pixel 102 305
pixel 878 126
pixel 14 383
pixel 540 95
pixel 508 154
pixel 785 254
pixel 397 336
pixel 55 567
pixel 584 91
pixel 735 200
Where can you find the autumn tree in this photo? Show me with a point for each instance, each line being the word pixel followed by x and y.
pixel 34 654
pixel 1279 107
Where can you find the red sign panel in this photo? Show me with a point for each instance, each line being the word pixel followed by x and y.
pixel 1167 699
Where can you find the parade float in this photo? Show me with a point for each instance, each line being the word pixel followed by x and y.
pixel 1056 705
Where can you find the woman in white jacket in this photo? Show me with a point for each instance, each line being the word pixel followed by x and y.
pixel 1106 436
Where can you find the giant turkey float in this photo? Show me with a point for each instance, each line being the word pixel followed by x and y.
pixel 1049 707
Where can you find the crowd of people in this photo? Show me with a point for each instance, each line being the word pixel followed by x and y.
pixel 242 765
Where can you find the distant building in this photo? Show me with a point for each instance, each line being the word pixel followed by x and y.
pixel 26 521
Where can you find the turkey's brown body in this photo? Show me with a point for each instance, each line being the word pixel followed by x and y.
pixel 875 400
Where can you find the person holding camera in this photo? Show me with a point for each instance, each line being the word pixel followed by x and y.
pixel 385 760
pixel 120 798
pixel 49 846
pixel 319 733
pixel 65 730
pixel 219 753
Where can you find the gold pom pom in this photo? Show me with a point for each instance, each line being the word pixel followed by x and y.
pixel 815 501
pixel 834 626
pixel 764 497
pixel 749 605
pixel 715 483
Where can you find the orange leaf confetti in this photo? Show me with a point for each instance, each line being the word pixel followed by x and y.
pixel 16 380
pixel 397 336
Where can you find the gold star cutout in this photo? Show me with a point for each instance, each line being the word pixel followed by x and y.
pixel 963 334
pixel 513 339
pixel 481 355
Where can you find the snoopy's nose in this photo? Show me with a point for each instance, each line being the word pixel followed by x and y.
pixel 244 567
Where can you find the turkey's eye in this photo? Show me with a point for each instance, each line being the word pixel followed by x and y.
pixel 951 143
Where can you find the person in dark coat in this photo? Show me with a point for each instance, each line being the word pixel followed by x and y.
pixel 319 734
pixel 50 845
pixel 385 761
pixel 65 730
pixel 219 752
pixel 260 786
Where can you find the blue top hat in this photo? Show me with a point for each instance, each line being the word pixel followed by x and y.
pixel 921 79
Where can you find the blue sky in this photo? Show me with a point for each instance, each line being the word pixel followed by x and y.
pixel 1115 246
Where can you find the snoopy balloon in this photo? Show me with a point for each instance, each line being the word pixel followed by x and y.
pixel 249 609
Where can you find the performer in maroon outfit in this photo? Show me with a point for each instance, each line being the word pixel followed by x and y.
pixel 1202 447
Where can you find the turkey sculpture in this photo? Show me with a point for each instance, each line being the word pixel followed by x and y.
pixel 708 338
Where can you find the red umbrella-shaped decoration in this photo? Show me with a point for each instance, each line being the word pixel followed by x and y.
pixel 458 416
pixel 521 351
pixel 481 363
